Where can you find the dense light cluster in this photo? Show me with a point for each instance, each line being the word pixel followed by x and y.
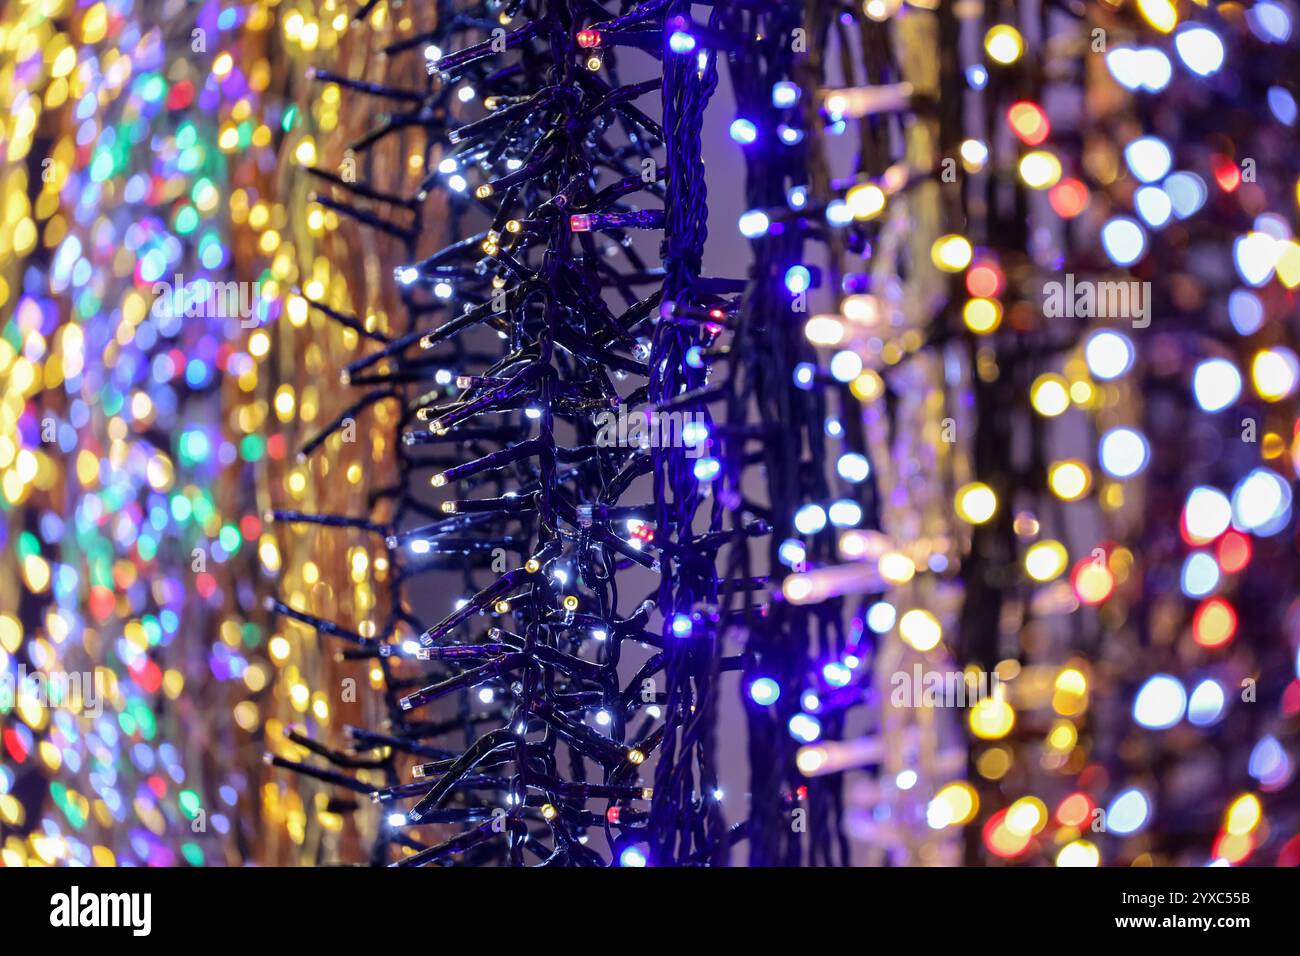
pixel 540 314
pixel 123 646
pixel 1103 575
pixel 514 489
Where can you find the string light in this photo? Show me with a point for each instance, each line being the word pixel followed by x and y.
pixel 930 420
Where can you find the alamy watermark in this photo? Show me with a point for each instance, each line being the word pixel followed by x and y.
pixel 924 688
pixel 205 299
pixel 1089 299
pixel 133 911
pixel 653 429
pixel 77 691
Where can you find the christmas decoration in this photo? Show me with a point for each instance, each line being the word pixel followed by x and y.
pixel 649 434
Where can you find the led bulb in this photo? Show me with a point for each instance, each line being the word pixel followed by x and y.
pixel 951 253
pixel 1004 44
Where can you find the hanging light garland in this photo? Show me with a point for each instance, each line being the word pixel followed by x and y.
pixel 908 442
